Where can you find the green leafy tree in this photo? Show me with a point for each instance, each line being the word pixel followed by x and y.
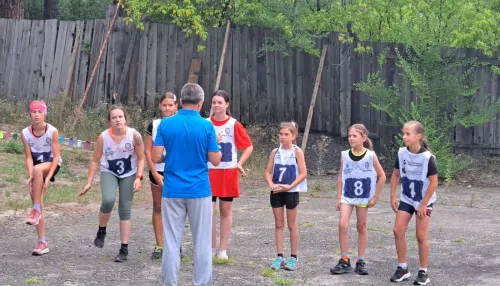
pixel 445 98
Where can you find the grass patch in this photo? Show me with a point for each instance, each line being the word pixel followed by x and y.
pixel 305 224
pixel 222 261
pixel 12 147
pixel 150 222
pixel 217 211
pixel 268 272
pixel 187 260
pixel 348 252
pixel 282 281
pixel 458 240
pixel 372 228
pixel 31 281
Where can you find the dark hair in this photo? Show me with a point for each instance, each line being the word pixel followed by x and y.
pixel 361 128
pixel 170 95
pixel 419 129
pixel 114 107
pixel 225 95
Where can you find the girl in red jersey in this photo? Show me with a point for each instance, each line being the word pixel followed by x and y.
pixel 224 179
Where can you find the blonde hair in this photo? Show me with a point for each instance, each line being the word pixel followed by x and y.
pixel 420 129
pixel 361 128
pixel 292 126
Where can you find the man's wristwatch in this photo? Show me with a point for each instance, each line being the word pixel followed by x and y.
pixel 139 177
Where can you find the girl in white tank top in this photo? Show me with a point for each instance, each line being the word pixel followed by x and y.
pixel 357 186
pixel 168 107
pixel 286 175
pixel 119 152
pixel 43 160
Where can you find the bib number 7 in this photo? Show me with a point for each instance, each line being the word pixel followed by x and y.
pixel 412 189
pixel 284 174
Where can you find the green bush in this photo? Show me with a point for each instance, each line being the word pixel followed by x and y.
pixel 446 95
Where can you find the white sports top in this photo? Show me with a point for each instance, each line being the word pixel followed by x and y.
pixel 119 159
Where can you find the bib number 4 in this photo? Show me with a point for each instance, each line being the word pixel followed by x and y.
pixel 412 189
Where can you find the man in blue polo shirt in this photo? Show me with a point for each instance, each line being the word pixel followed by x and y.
pixel 190 142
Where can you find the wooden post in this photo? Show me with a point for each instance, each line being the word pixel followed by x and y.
pixel 194 71
pixel 345 88
pixel 221 62
pixel 313 99
pixel 98 60
pixel 223 55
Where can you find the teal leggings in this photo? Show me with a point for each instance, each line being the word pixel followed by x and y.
pixel 125 186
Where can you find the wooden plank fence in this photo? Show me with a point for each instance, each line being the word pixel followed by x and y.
pixel 137 65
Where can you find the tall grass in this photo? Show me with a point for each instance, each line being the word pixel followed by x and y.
pixel 61 114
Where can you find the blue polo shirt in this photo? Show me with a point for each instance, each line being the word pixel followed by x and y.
pixel 187 138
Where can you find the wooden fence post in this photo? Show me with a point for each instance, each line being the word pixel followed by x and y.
pixel 345 88
pixel 313 99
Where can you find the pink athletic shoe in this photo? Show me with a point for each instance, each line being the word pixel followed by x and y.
pixel 34 217
pixel 41 248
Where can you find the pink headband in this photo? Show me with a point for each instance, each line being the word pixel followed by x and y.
pixel 38 104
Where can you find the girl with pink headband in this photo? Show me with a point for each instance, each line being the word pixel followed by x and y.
pixel 43 160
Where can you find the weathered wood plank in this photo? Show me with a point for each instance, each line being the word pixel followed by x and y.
pixel 171 58
pixel 66 57
pixel 3 43
pixel 244 76
pixel 36 62
pixel 142 64
pixel 180 78
pixel 15 58
pixel 252 71
pixel 236 92
pixel 122 93
pixel 194 71
pixel 48 58
pixel 345 88
pixel 80 25
pixel 299 89
pixel 58 59
pixel 85 47
pixel 261 80
pixel 151 68
pixel 8 41
pixel 97 89
pixel 25 63
pixel 279 91
pixel 161 66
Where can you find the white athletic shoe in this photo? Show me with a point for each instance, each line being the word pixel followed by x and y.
pixel 222 254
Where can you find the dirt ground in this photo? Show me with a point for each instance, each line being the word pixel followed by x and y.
pixel 463 238
pixel 463 233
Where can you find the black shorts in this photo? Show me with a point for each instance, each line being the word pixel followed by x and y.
pixel 411 210
pixel 290 200
pixel 152 179
pixel 228 199
pixel 55 172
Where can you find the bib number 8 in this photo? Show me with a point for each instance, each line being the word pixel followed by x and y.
pixel 357 188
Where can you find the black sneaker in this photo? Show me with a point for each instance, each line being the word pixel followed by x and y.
pixel 422 278
pixel 157 253
pixel 400 274
pixel 342 267
pixel 361 268
pixel 99 239
pixel 122 256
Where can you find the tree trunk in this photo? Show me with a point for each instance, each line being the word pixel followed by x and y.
pixel 12 9
pixel 51 9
